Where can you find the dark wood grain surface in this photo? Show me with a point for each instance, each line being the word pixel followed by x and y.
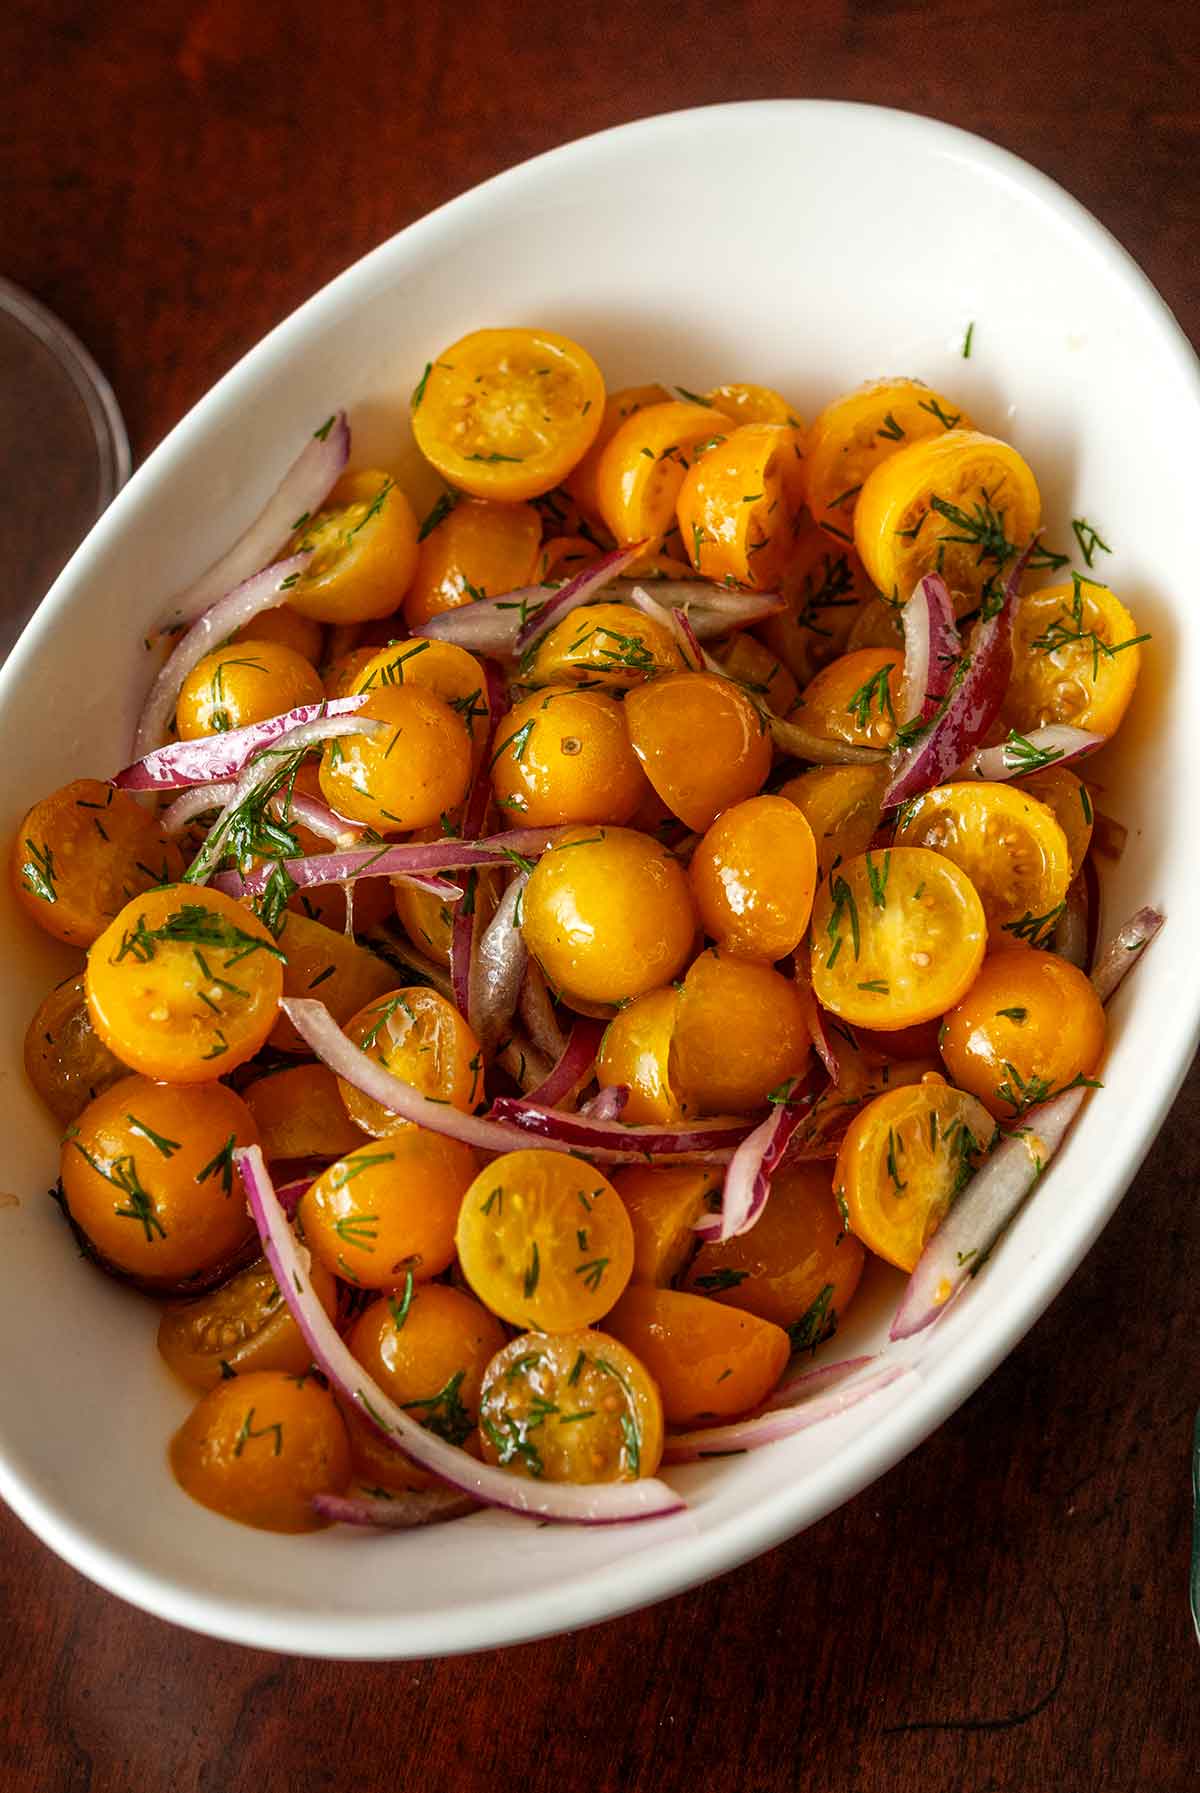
pixel 1007 1609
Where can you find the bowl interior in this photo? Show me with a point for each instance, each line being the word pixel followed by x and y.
pixel 806 245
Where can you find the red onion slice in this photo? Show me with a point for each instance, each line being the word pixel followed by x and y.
pixel 537 1012
pixel 985 1207
pixel 302 491
pixel 580 590
pixel 196 802
pixel 524 1063
pixel 708 1142
pixel 607 1104
pixel 767 1428
pixel 397 860
pixel 511 624
pixel 401 1511
pixel 577 1059
pixel 931 647
pixel 713 610
pixel 216 757
pixel 597 1504
pixel 748 1179
pixel 812 1380
pixel 1055 745
pixel 496 969
pixel 1118 958
pixel 689 645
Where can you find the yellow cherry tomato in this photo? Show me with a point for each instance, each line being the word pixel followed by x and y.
pixel 753 877
pixel 842 805
pixel 898 938
pixel 798 1265
pixel 544 1240
pixel 471 549
pixel 1066 797
pixel 582 483
pixel 321 962
pixel 149 1176
pixel 299 1114
pixel 184 984
pixel 738 504
pixel 388 1210
pixel 636 1052
pixel 643 467
pixel 904 1159
pixel 421 1038
pixel 571 1407
pixel 664 1202
pixel 1076 654
pixel 858 432
pixel 702 742
pixel 242 1326
pixel 286 628
pixel 428 920
pixel 407 775
pixel 507 413
pixel 65 1059
pixel 604 644
pixel 340 674
pixel 258 1448
pixel 876 625
pixel 362 548
pixel 853 698
pixel 709 1361
pixel 760 671
pixel 1008 844
pixel 753 404
pixel 564 756
pixel 244 683
pixel 438 666
pixel 959 503
pixel 564 556
pixel 428 1347
pixel 608 915
pixel 825 584
pixel 84 851
pixel 740 1033
pixel 1029 1025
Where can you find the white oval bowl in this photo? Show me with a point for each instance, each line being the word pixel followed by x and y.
pixel 808 245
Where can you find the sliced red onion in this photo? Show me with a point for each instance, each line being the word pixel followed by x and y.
pixel 580 590
pixel 713 610
pixel 523 1062
pixel 196 802
pixel 1070 938
pixel 397 861
pixel 1055 745
pixel 931 647
pixel 708 1142
pixel 689 645
pixel 607 1104
pixel 512 623
pixel 968 707
pixel 791 738
pixel 216 757
pixel 496 969
pixel 322 821
pixel 811 1381
pixel 290 1195
pixel 767 1428
pixel 537 1012
pixel 578 1057
pixel 597 1504
pixel 265 591
pixel 301 493
pixel 748 1179
pixel 400 1511
pixel 1118 958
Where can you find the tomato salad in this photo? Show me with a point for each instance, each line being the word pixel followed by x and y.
pixel 539 955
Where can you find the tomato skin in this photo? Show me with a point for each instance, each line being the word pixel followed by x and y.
pixel 388 1210
pixel 583 483
pixel 242 683
pixel 702 743
pixel 423 1342
pixel 571 1407
pixel 65 1059
pixel 81 853
pixel 853 699
pixel 664 1202
pixel 709 1361
pixel 842 805
pixel 635 1052
pixel 299 1114
pixel 286 628
pixel 763 674
pixel 738 504
pixel 825 584
pixel 754 404
pixel 740 1032
pixel 609 644
pixel 418 1036
pixel 242 1326
pixel 564 756
pixel 753 877
pixel 331 965
pixel 438 666
pixel 643 467
pixel 478 550
pixel 363 551
pixel 858 432
pixel 364 778
pixel 1029 1026
pixel 1066 797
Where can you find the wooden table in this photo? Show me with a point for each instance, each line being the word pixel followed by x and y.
pixel 1007 1609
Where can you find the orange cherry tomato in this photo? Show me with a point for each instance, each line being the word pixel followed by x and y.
pixel 583 482
pixel 898 938
pixel 1067 799
pixel 564 756
pixel 342 673
pixel 244 683
pixel 65 1059
pixel 842 805
pixel 388 1210
pixel 604 644
pixel 740 1033
pixel 184 984
pixel 407 775
pixel 470 549
pixel 285 627
pixel 904 1159
pixel 564 556
pixel 753 877
pixel 428 1347
pixel 1029 1025
pixel 149 1176
pixel 607 915
pixel 244 1325
pixel 544 1240
pixel 643 467
pixel 664 1202
pixel 1008 844
pixel 702 742
pixel 363 551
pixel 571 1407
pixel 422 1039
pixel 853 698
pixel 318 961
pixel 858 432
pixel 759 671
pixel 636 1052
pixel 825 584
pixel 798 1265
pixel 709 1361
pixel 258 1448
pixel 738 504
pixel 1076 654
pixel 81 853
pixel 753 404
pixel 438 666
pixel 508 413
pixel 299 1114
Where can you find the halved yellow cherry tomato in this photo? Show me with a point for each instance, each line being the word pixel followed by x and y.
pixel 753 404
pixel 643 467
pixel 798 1265
pixel 244 683
pixel 259 1447
pixel 740 1033
pixel 428 1347
pixel 1029 1025
pixel 564 756
pixel 1008 844
pixel 184 984
pixel 606 644
pixel 476 550
pixel 333 967
pixel 898 938
pixel 853 698
pixel 636 1052
pixel 861 429
pixel 702 742
pixel 738 504
pixel 664 1202
pixel 507 413
pixel 82 852
pixel 825 584
pixel 842 805
pixel 420 1037
pixel 244 1325
pixel 438 666
pixel 1066 797
pixel 1076 654
pixel 709 1361
pixel 362 548
pixel 287 628
pixel 407 775
pixel 762 673
pixel 753 877
pixel 960 503
pixel 299 1114
pixel 582 483
pixel 544 1240
pixel 65 1059
pixel 571 1407
pixel 388 1210
pixel 904 1159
